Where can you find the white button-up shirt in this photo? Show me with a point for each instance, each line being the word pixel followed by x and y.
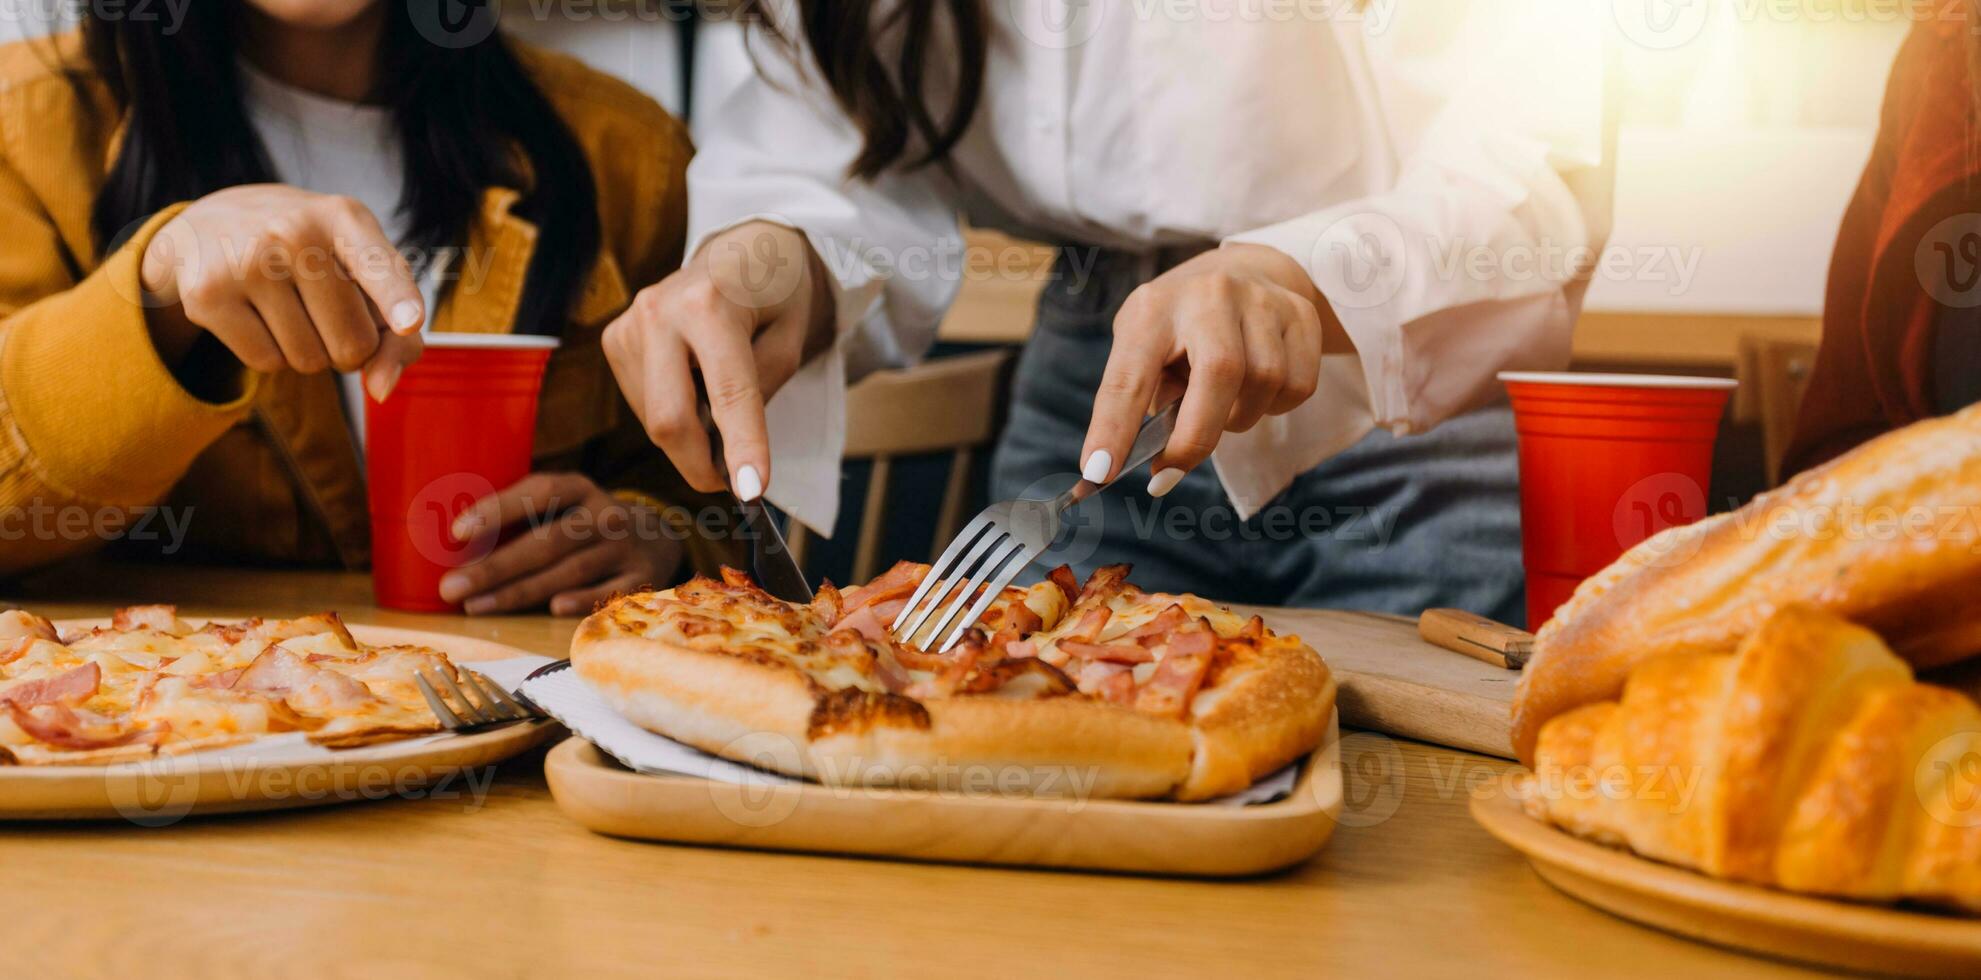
pixel 1439 167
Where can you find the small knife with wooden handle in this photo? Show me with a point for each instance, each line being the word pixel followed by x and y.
pixel 1476 637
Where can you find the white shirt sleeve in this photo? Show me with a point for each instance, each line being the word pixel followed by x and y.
pixel 779 152
pixel 1476 260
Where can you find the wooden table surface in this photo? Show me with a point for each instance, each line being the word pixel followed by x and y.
pixel 505 886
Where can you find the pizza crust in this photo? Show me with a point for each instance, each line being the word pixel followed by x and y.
pixel 985 744
pixel 1254 724
pixel 724 705
pixel 377 735
pixel 41 755
pixel 769 716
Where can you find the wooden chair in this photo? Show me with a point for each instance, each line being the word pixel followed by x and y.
pixel 949 405
pixel 1775 374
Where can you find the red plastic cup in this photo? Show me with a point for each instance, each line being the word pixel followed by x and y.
pixel 1606 461
pixel 459 425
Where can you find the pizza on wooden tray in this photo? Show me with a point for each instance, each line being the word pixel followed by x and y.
pixel 151 683
pixel 1098 689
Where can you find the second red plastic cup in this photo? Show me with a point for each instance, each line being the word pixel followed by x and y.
pixel 459 425
pixel 1606 461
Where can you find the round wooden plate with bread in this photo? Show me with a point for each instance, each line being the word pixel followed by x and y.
pixel 1871 938
pixel 1734 705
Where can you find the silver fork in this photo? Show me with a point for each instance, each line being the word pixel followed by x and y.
pixel 1001 541
pixel 496 706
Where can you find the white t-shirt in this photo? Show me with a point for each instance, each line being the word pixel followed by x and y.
pixel 334 147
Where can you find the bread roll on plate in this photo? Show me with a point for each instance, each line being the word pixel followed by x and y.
pixel 1810 761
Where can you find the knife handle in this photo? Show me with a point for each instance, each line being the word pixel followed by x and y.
pixel 1150 441
pixel 1476 637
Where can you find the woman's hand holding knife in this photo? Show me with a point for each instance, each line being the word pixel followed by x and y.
pixel 1238 331
pixel 749 308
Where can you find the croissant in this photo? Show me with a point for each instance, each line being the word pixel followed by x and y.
pixel 1810 760
pixel 1888 536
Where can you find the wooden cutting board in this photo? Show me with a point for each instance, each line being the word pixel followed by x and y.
pixel 1393 682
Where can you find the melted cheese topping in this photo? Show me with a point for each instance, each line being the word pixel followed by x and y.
pixel 168 685
pixel 742 621
pixel 737 619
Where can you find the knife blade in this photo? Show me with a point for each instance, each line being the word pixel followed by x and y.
pixel 771 561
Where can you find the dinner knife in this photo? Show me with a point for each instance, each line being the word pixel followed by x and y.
pixel 771 562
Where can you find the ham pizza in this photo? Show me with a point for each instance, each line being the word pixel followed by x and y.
pixel 151 683
pixel 1063 688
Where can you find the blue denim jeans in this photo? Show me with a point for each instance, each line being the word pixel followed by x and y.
pixel 1391 525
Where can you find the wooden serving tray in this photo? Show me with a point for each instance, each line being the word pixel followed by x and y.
pixel 166 789
pixel 1108 835
pixel 1870 938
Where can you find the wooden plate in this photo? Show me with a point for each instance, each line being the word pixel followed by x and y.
pixel 1110 835
pixel 166 789
pixel 1871 938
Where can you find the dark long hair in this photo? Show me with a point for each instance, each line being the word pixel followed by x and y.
pixel 469 118
pixel 891 104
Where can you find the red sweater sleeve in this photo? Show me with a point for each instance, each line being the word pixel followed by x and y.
pixel 1843 408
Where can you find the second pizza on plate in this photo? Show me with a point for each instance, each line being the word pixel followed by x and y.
pixel 1064 689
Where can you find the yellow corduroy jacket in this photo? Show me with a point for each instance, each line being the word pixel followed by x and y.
pixel 95 432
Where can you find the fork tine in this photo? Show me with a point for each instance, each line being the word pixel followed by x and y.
pixel 939 571
pixel 513 703
pixel 1004 576
pixel 477 714
pixel 956 577
pixel 968 592
pixel 448 719
pixel 494 698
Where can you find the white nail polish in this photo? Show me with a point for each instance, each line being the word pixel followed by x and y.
pixel 1097 466
pixel 1164 481
pixel 749 485
pixel 406 315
